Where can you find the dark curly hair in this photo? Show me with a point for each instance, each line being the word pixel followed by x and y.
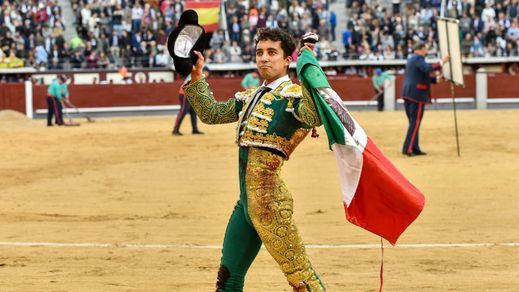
pixel 288 43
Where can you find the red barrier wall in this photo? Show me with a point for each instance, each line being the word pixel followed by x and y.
pixel 443 89
pixel 114 95
pixel 350 88
pixel 353 88
pixel 503 86
pixel 109 95
pixel 12 96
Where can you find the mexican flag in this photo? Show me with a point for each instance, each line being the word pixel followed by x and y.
pixel 376 196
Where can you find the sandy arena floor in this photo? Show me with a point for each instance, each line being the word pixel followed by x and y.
pixel 127 180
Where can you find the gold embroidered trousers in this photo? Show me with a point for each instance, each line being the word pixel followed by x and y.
pixel 264 215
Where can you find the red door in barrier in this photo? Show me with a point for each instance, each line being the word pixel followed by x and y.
pixel 12 97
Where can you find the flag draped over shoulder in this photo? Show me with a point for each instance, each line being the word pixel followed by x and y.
pixel 208 13
pixel 376 196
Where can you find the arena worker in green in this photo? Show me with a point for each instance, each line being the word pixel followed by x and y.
pixel 57 95
pixel 272 121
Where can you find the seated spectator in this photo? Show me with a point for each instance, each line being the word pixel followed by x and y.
pixel 217 39
pixel 248 54
pixel 334 53
pixel 91 61
pixel 226 49
pixel 77 59
pixel 42 57
pixel 127 56
pixel 219 56
pixel 477 47
pixel 123 72
pixel 137 13
pixel 55 65
pixel 103 61
pixel 88 49
pixel 76 42
pixel 511 50
pixel 21 52
pixel 235 29
pixel 235 53
pixel 208 54
pixel 389 54
pixel 11 62
pixel 400 53
pixel 466 44
pixel 162 59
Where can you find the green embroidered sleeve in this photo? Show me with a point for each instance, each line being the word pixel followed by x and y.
pixel 306 110
pixel 207 108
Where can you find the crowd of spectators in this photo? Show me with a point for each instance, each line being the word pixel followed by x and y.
pixel 488 28
pixel 110 34
pixel 133 33
pixel 28 32
pixel 245 17
pixel 125 33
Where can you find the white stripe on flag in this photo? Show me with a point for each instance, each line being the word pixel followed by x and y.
pixel 349 162
pixel 350 156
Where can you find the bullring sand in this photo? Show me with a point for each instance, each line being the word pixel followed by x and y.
pixel 127 180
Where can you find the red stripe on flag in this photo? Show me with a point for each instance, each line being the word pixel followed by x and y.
pixel 201 4
pixel 211 27
pixel 385 202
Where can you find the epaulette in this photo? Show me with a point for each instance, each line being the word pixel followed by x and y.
pixel 244 95
pixel 291 91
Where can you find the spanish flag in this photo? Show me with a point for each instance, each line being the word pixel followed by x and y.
pixel 208 13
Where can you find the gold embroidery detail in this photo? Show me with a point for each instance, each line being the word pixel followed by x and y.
pixel 307 113
pixel 264 111
pixel 269 96
pixel 270 209
pixel 258 123
pixel 290 104
pixel 206 107
pixel 245 95
pixel 250 138
pixel 292 90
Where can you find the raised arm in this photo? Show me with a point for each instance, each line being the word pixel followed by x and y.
pixel 201 98
pixel 207 108
pixel 306 111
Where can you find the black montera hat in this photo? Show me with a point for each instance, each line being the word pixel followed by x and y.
pixel 183 40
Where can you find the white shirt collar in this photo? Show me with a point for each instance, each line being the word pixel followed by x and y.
pixel 274 84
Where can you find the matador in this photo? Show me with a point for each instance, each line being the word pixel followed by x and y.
pixel 271 121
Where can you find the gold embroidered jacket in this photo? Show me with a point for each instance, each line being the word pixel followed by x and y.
pixel 280 120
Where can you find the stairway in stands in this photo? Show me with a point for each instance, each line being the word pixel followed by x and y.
pixel 68 19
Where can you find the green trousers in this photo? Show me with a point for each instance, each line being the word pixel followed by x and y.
pixel 263 215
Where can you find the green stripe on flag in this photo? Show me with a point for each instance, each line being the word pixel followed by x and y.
pixel 312 77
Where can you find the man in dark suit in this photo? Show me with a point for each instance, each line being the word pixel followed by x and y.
pixel 477 25
pixel 415 92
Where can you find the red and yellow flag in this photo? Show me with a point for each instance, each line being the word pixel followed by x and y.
pixel 208 13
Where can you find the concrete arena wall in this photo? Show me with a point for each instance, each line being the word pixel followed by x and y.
pixel 12 95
